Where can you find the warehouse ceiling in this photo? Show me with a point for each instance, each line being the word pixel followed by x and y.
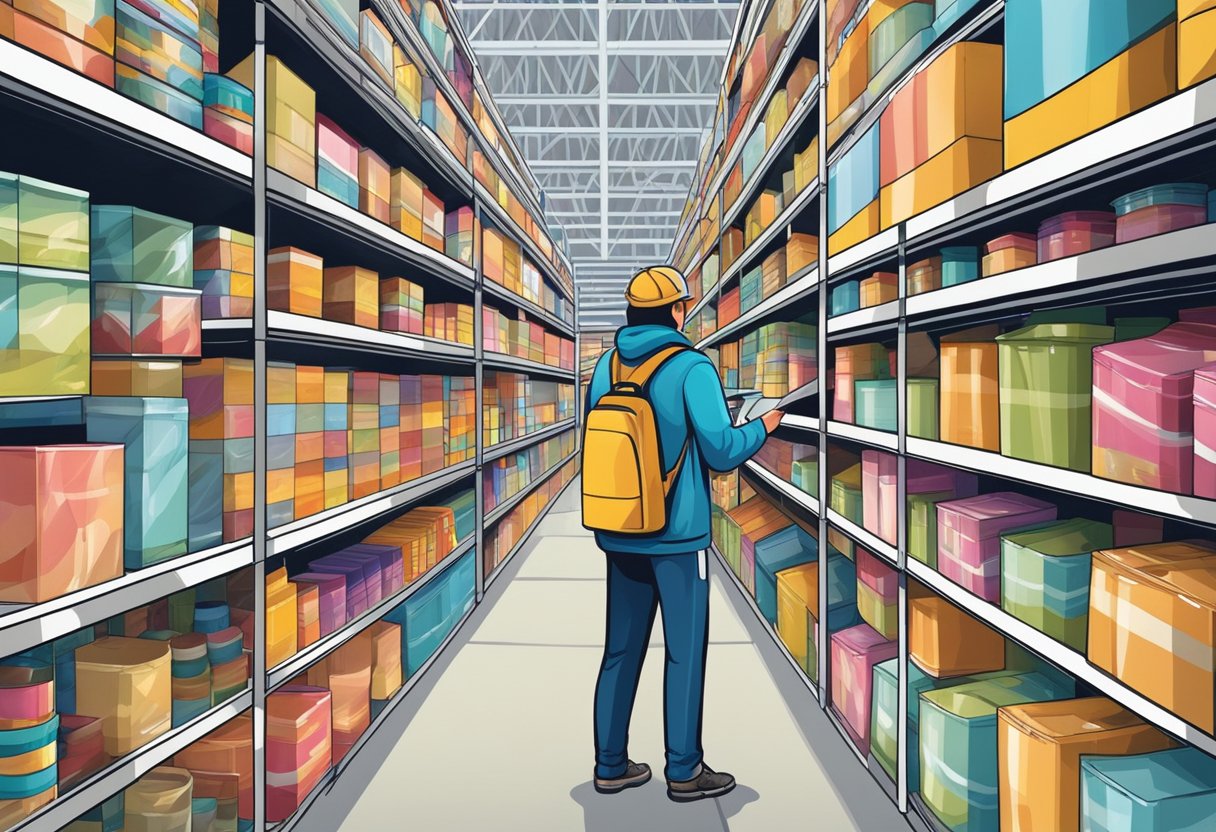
pixel 610 101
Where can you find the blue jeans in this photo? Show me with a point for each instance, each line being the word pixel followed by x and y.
pixel 637 586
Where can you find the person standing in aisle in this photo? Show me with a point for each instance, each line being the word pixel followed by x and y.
pixel 656 425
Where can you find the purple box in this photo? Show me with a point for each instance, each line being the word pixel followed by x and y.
pixel 331 590
pixel 969 537
pixel 392 565
pixel 356 581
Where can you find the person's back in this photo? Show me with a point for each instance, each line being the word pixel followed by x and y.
pixel 667 567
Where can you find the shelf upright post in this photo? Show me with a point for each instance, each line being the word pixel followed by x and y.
pixel 823 644
pixel 479 418
pixel 259 669
pixel 901 529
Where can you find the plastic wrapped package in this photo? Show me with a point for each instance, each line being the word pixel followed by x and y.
pixel 1159 209
pixel 347 674
pixel 1040 747
pixel 337 162
pixel 44 332
pixel 223 271
pixel 158 50
pixel 1165 791
pixel 877 594
pixel 130 245
pixel 1045 574
pixel 969 537
pixel 299 746
pixel 127 684
pixel 53 228
pixel 856 362
pixel 375 188
pixel 1143 407
pixel 143 320
pixel 1046 374
pixel 855 651
pixel 946 642
pixel 958 739
pixel 56 546
pixel 1075 232
pixel 1144 600
pixel 160 801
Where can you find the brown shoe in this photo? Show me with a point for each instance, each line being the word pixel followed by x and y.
pixel 707 783
pixel 636 774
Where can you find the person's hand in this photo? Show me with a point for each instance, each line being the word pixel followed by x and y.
pixel 772 419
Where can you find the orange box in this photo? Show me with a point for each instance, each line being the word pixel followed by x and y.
pixel 903 139
pixel 294 278
pixel 351 294
pixel 387 675
pixel 849 74
pixel 1039 746
pixel 801 251
pixel 124 377
pixel 879 288
pixel 963 165
pixel 62 48
pixel 1144 601
pixel 432 221
pixel 226 750
pixel 73 19
pixel 945 642
pixel 405 203
pixel 970 406
pixel 925 276
pixel 63 519
pixel 375 188
pixel 282 617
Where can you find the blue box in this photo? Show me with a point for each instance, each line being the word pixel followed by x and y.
pixel 155 434
pixel 1166 791
pixel 781 550
pixel 960 264
pixel 874 403
pixel 129 245
pixel 853 180
pixel 846 297
pixel 428 616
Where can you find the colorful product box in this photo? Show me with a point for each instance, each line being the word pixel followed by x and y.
pixel 969 537
pixel 56 546
pixel 291 118
pixel 1158 792
pixel 155 435
pixel 299 741
pixel 126 683
pixel 970 402
pixel 1075 232
pixel 52 224
pixel 44 331
pixel 351 294
pixel 1205 432
pixel 138 319
pixel 854 653
pixel 294 281
pixel 945 642
pixel 375 189
pixel 130 245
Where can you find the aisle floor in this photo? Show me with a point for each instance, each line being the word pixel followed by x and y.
pixel 498 734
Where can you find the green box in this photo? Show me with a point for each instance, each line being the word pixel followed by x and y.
pixel 804 473
pixel 846 493
pixel 53 225
pixel 1046 378
pixel 1045 575
pixel 44 332
pixel 874 404
pixel 923 408
pixel 135 246
pixel 922 525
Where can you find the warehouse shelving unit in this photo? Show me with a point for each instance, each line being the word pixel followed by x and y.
pixel 282 210
pixel 1164 140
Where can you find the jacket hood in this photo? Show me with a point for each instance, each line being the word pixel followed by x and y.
pixel 637 343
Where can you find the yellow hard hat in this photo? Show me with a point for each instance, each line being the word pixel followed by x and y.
pixel 657 286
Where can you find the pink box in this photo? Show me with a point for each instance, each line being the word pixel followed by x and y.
pixel 299 740
pixel 855 651
pixel 1143 410
pixel 747 564
pixel 1205 432
pixel 969 537
pixel 1075 232
pixel 1158 219
pixel 336 146
pixel 233 132
pixel 879 490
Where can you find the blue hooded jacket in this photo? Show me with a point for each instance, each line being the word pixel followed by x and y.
pixel 688 402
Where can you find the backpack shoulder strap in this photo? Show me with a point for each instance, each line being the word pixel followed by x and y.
pixel 641 374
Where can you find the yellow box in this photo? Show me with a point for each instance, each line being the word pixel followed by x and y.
pixel 335 488
pixel 286 157
pixel 1190 8
pixel 127 684
pixel 280 485
pixel 1145 602
pixel 965 94
pixel 850 72
pixel 860 228
pixel 281 618
pixel 879 288
pixel 1196 44
pixel 405 203
pixel 797 596
pixel 1142 75
pixel 960 167
pixel 1039 746
pixel 282 85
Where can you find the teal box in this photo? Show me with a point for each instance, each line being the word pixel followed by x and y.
pixel 162 97
pixel 959 776
pixel 342 15
pixel 842 592
pixel 336 183
pixel 846 297
pixel 129 245
pixel 206 489
pixel 464 506
pixel 960 264
pixel 428 616
pixel 874 403
pixel 901 26
pixel 10 320
pixel 1166 791
pixel 9 200
pixel 753 151
pixel 106 817
pixel 221 91
pixel 155 432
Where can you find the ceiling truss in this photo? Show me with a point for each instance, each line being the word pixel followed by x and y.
pixel 610 102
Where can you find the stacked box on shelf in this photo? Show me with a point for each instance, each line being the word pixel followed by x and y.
pixel 157 63
pixel 309 439
pixel 969 537
pixel 401 306
pixel 376 45
pixel 970 410
pixel 434 423
pixel 853 194
pixel 81 38
pixel 337 162
pixel 220 491
pixel 407 82
pixel 221 764
pixel 942 133
pixel 460 417
pixel 390 431
pixel 854 653
pixel 1055 94
pixel 294 281
pixel 433 221
pixel 125 683
pixel 459 232
pixel 364 434
pixel 223 271
pixel 351 294
pixel 291 119
pixel 209 34
pixel 281 418
pixel 336 441
pixel 375 188
pixel 299 744
pixel 429 615
pixel 405 203
pixel 228 111
pixel 44 278
pixel 858 362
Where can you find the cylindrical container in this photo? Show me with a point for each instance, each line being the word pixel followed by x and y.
pixel 1075 232
pixel 1159 209
pixel 160 801
pixel 27 693
pixel 224 645
pixel 127 684
pixel 210 616
pixel 189 655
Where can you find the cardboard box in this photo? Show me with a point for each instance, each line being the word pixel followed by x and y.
pixel 126 683
pixel 351 294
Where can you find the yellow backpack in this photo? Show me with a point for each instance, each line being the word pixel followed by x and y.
pixel 624 485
